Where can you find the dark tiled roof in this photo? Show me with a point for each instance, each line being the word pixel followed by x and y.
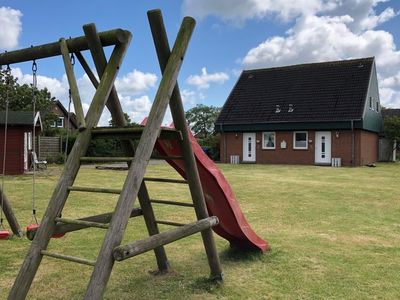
pixel 328 91
pixel 17 118
pixel 390 112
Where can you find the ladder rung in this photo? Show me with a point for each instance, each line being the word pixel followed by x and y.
pixel 82 222
pixel 69 258
pixel 93 190
pixel 163 238
pixel 102 218
pixel 132 133
pixel 166 157
pixel 171 202
pixel 169 223
pixel 105 159
pixel 124 159
pixel 165 180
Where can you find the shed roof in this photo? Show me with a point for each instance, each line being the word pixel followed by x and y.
pixel 327 91
pixel 20 118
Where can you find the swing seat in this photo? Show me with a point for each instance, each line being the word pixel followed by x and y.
pixel 4 234
pixel 31 227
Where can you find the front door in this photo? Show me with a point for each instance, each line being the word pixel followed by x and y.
pixel 323 147
pixel 249 147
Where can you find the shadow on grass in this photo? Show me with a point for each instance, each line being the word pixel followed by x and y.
pixel 235 254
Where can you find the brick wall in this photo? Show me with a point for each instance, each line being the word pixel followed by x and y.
pixel 365 148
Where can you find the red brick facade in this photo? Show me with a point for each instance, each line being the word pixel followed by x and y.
pixel 365 148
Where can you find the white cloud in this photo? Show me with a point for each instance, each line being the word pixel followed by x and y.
pixel 191 98
pixel 237 11
pixel 130 84
pixel 135 82
pixel 203 81
pixel 324 38
pixel 11 27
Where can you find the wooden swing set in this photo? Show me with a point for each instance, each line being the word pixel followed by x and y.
pixel 137 157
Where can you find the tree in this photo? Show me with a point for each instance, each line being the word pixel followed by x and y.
pixel 21 98
pixel 201 119
pixel 392 129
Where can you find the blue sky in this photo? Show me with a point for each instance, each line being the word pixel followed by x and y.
pixel 231 35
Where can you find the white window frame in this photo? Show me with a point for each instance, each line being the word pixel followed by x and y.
pixel 294 140
pixel 263 140
pixel 62 122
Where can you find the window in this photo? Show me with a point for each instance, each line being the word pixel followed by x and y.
pixel 268 140
pixel 370 103
pixel 377 106
pixel 60 122
pixel 300 140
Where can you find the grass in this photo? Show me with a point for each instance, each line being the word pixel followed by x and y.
pixel 334 234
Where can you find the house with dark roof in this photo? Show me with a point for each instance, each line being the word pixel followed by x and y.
pixel 315 113
pixel 63 117
pixel 19 139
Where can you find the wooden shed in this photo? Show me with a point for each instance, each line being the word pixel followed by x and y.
pixel 19 140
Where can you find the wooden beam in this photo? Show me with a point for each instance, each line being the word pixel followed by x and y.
pixel 82 223
pixel 93 190
pixel 32 261
pixel 164 55
pixel 123 252
pixel 103 218
pixel 9 214
pixel 118 116
pixel 102 269
pixel 76 98
pixel 171 203
pixel 107 38
pixel 132 133
pixel 78 260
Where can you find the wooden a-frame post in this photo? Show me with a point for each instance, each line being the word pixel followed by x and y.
pixel 117 114
pixel 163 52
pixel 9 214
pixel 32 261
pixel 114 235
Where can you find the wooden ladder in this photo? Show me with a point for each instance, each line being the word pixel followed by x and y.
pixel 134 186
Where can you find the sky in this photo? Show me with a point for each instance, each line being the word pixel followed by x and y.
pixel 230 36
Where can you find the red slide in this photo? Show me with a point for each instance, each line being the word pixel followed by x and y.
pixel 220 199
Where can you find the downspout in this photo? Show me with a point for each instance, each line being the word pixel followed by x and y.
pixel 352 144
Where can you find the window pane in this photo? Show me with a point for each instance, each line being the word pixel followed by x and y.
pixel 301 140
pixel 269 139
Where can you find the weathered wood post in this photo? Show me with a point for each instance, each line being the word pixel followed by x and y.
pixel 178 115
pixel 105 262
pixel 32 261
pixel 9 214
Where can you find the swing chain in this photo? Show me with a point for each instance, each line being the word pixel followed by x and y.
pixel 34 89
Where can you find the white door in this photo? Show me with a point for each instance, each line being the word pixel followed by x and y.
pixel 249 147
pixel 323 147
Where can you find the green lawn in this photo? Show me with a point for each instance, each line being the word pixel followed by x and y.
pixel 334 234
